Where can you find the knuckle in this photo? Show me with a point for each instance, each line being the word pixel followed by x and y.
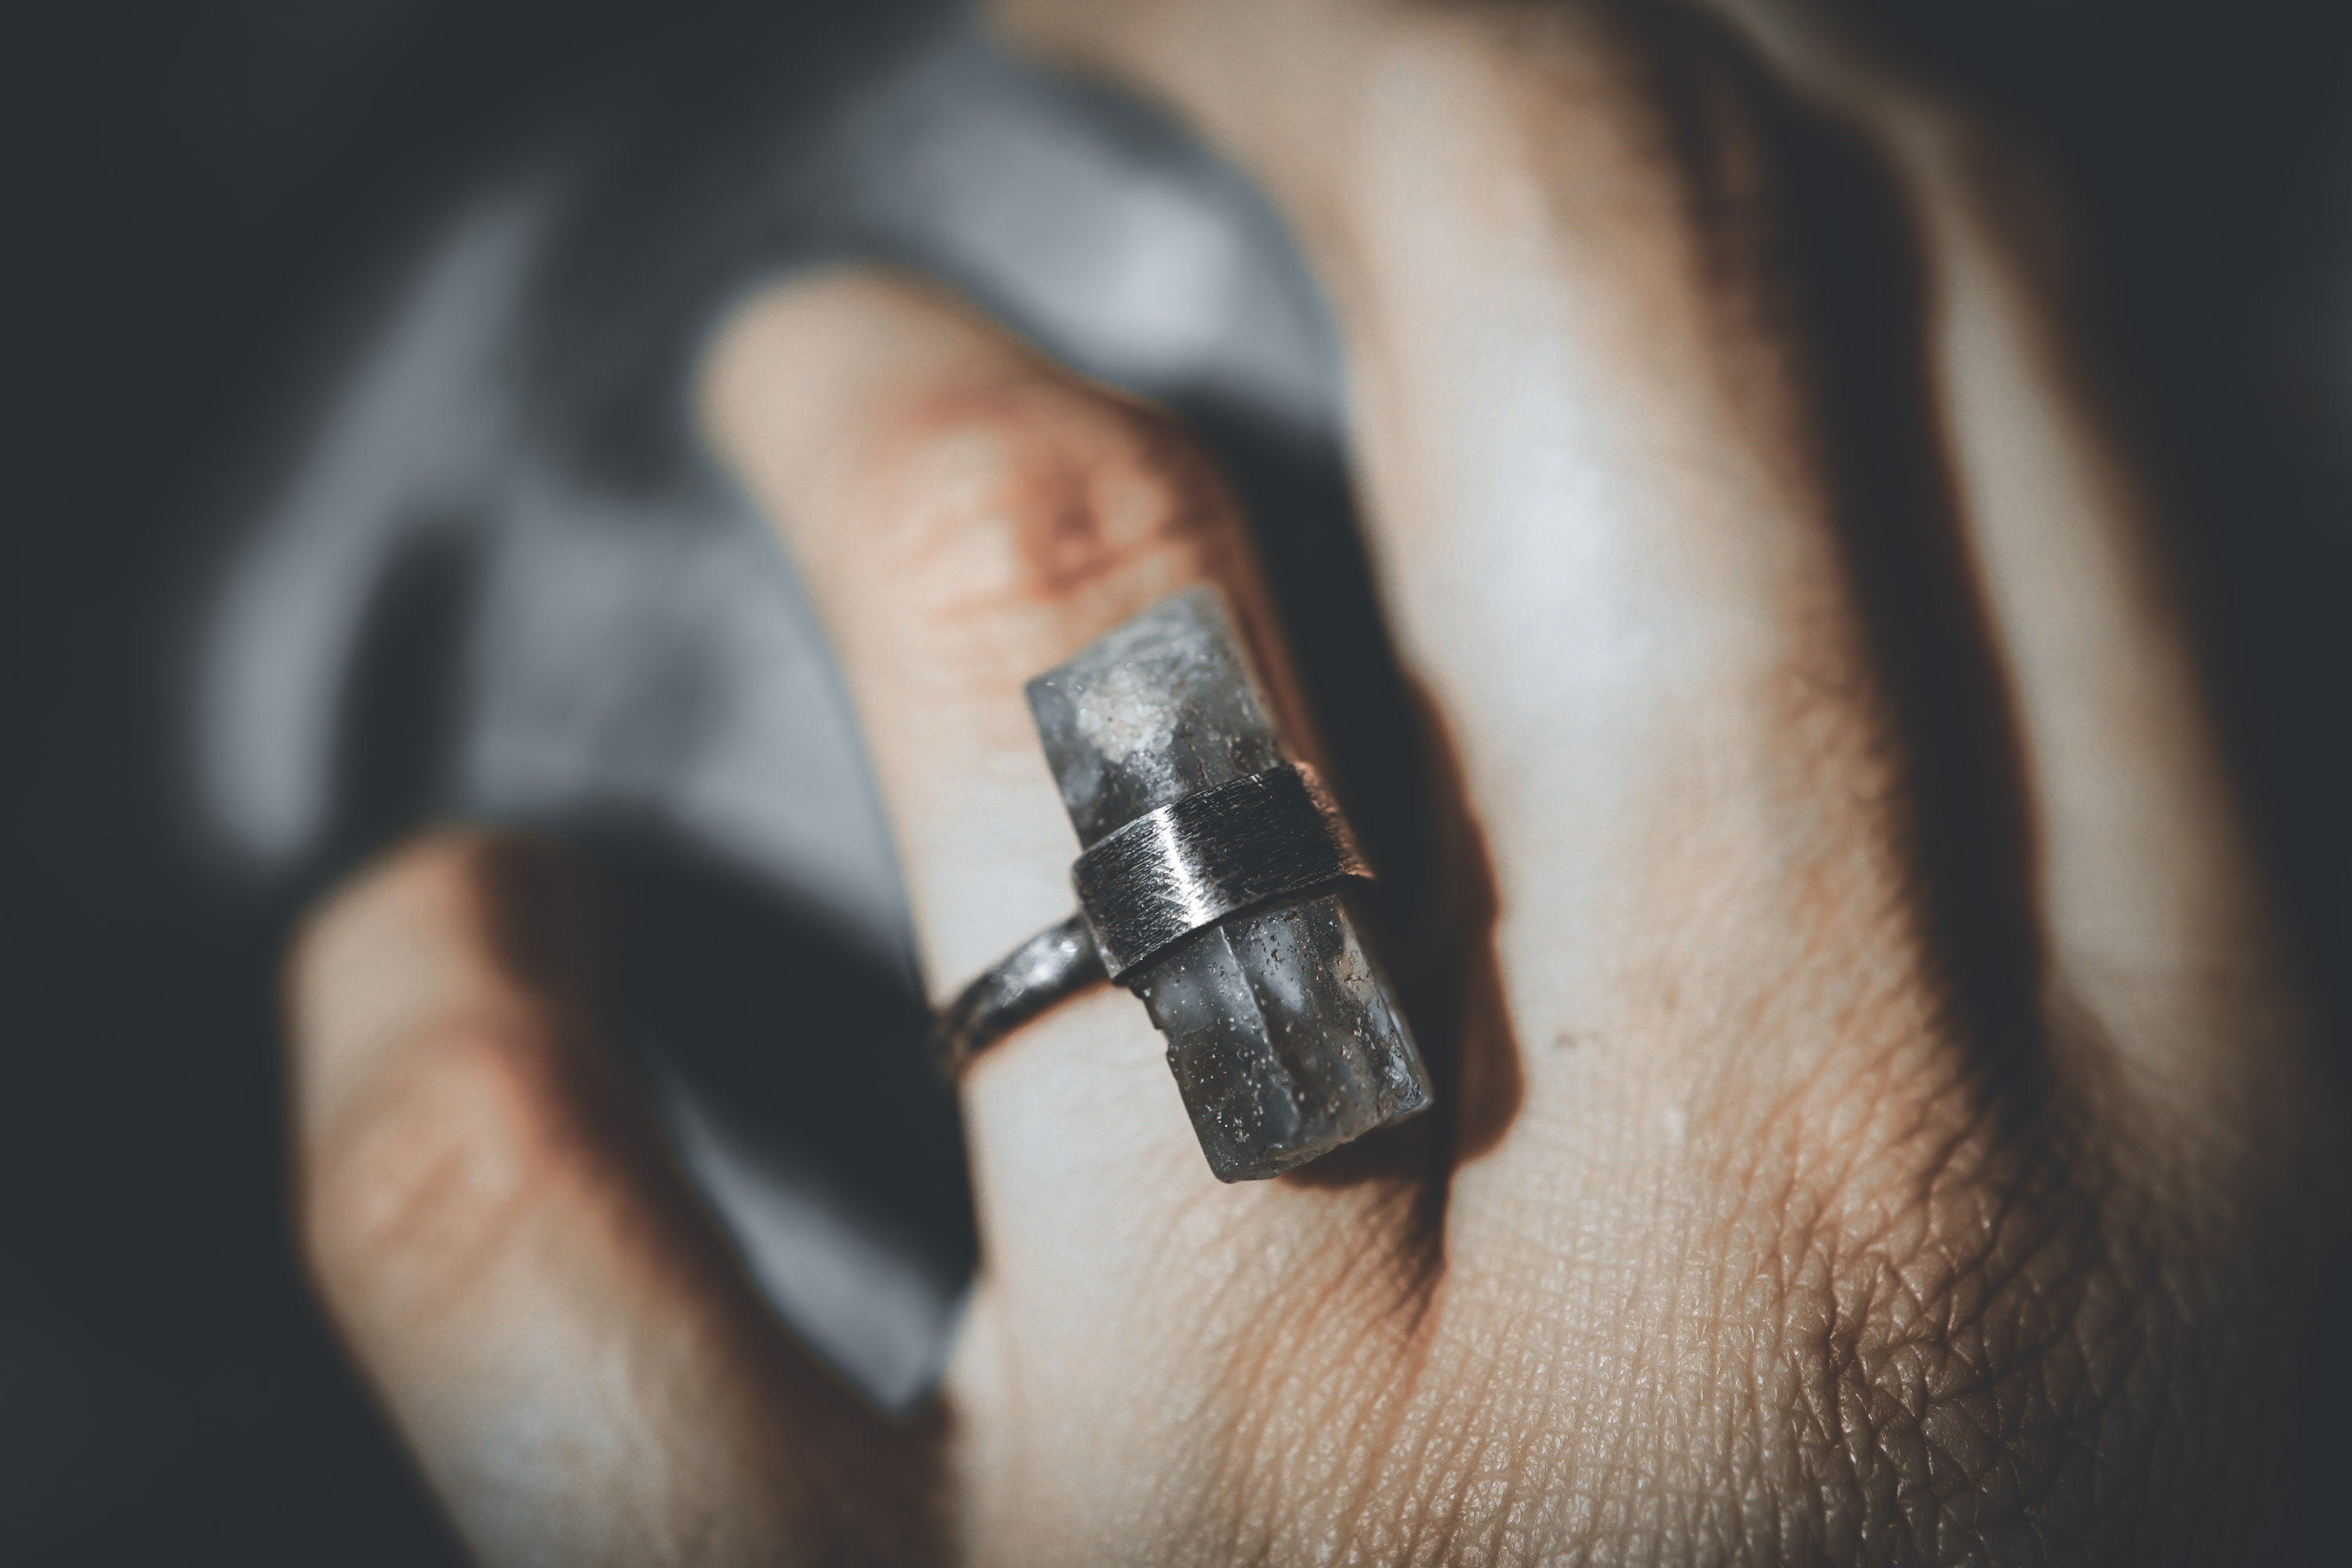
pixel 1645 88
pixel 1967 1331
pixel 1032 495
pixel 434 1168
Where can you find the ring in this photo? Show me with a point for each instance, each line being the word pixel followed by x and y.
pixel 1049 968
pixel 1216 880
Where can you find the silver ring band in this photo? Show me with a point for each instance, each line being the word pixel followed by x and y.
pixel 1049 968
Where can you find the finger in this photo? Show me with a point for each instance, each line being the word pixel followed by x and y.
pixel 1598 550
pixel 1598 502
pixel 550 1319
pixel 966 517
pixel 2156 922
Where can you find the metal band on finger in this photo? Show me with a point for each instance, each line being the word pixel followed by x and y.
pixel 1050 968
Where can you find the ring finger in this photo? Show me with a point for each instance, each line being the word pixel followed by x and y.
pixel 966 517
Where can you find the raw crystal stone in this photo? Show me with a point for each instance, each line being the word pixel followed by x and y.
pixel 1281 1029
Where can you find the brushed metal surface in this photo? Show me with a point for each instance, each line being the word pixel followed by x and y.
pixel 1191 863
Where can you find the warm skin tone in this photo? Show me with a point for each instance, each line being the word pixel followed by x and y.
pixel 1797 1208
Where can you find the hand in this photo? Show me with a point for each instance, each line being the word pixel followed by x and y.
pixel 1876 1119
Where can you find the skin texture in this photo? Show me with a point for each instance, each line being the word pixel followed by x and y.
pixel 1878 1122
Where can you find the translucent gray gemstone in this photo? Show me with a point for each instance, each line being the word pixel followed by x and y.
pixel 1281 1029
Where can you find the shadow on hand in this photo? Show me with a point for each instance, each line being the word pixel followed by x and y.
pixel 794 1067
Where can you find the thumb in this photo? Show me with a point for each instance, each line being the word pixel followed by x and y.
pixel 553 1325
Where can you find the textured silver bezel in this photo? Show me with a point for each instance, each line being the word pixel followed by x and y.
pixel 1195 861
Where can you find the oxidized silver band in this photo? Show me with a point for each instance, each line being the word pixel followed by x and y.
pixel 1155 881
pixel 1049 968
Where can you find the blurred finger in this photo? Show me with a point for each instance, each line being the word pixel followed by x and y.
pixel 2158 929
pixel 551 1321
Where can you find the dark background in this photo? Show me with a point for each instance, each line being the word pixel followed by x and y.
pixel 208 196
